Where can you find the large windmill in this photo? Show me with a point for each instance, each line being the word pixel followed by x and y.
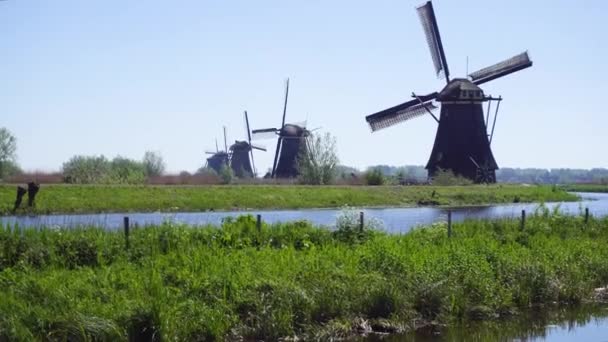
pixel 462 143
pixel 219 159
pixel 241 155
pixel 290 143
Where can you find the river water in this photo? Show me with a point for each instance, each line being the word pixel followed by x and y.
pixel 393 220
pixel 583 323
pixel 580 324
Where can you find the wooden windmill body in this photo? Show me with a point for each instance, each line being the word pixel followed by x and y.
pixel 463 139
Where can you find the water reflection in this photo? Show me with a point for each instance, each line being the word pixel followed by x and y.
pixel 583 323
pixel 395 220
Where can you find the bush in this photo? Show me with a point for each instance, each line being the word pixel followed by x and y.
pixel 447 177
pixel 98 169
pixel 154 165
pixel 226 174
pixel 318 163
pixel 85 169
pixel 374 177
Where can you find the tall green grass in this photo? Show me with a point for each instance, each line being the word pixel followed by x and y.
pixel 100 198
pixel 216 283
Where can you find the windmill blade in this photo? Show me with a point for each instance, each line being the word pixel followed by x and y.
pixel 501 69
pixel 403 112
pixel 249 141
pixel 247 128
pixel 276 157
pixel 225 140
pixel 210 152
pixel 265 133
pixel 258 147
pixel 431 30
pixel 285 105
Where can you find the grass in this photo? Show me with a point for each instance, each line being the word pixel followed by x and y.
pixel 230 282
pixel 94 199
pixel 586 187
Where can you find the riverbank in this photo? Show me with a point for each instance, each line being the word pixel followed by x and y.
pixel 58 199
pixel 586 188
pixel 179 283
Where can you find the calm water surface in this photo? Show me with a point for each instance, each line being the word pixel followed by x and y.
pixel 586 323
pixel 395 220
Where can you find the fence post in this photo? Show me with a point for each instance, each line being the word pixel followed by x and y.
pixel 126 225
pixel 449 223
pixel 586 215
pixel 258 223
pixel 361 221
pixel 523 220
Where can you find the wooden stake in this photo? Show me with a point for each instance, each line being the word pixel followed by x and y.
pixel 523 219
pixel 126 225
pixel 449 223
pixel 361 221
pixel 586 215
pixel 258 223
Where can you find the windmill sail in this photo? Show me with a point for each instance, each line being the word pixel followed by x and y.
pixel 265 133
pixel 501 69
pixel 400 113
pixel 431 30
pixel 258 147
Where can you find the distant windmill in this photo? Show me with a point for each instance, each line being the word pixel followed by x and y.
pixel 241 154
pixel 219 159
pixel 290 143
pixel 462 143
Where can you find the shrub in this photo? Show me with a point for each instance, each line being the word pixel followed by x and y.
pixel 374 177
pixel 226 174
pixel 318 162
pixel 447 177
pixel 154 165
pixel 98 169
pixel 85 169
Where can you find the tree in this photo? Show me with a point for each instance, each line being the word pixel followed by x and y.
pixel 8 153
pixel 319 161
pixel 154 164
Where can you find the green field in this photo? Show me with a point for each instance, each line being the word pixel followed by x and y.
pixel 100 198
pixel 224 283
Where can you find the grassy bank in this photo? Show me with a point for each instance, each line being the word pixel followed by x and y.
pixel 92 199
pixel 217 283
pixel 586 187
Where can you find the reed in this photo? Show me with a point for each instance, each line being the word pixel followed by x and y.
pixel 234 281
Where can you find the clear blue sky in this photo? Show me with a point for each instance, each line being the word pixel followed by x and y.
pixel 122 77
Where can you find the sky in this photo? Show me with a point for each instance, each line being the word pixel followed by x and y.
pixel 117 77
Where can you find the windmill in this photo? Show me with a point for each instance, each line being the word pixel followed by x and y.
pixel 462 142
pixel 290 143
pixel 218 159
pixel 241 154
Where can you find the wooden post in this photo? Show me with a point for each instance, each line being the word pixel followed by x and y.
pixel 523 219
pixel 449 223
pixel 258 223
pixel 126 225
pixel 586 215
pixel 361 221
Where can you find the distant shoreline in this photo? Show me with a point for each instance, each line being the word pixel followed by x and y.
pixel 90 199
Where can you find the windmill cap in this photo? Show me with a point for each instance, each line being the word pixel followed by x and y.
pixel 457 87
pixel 290 130
pixel 239 145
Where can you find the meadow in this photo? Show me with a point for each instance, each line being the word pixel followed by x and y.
pixel 235 281
pixel 148 198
